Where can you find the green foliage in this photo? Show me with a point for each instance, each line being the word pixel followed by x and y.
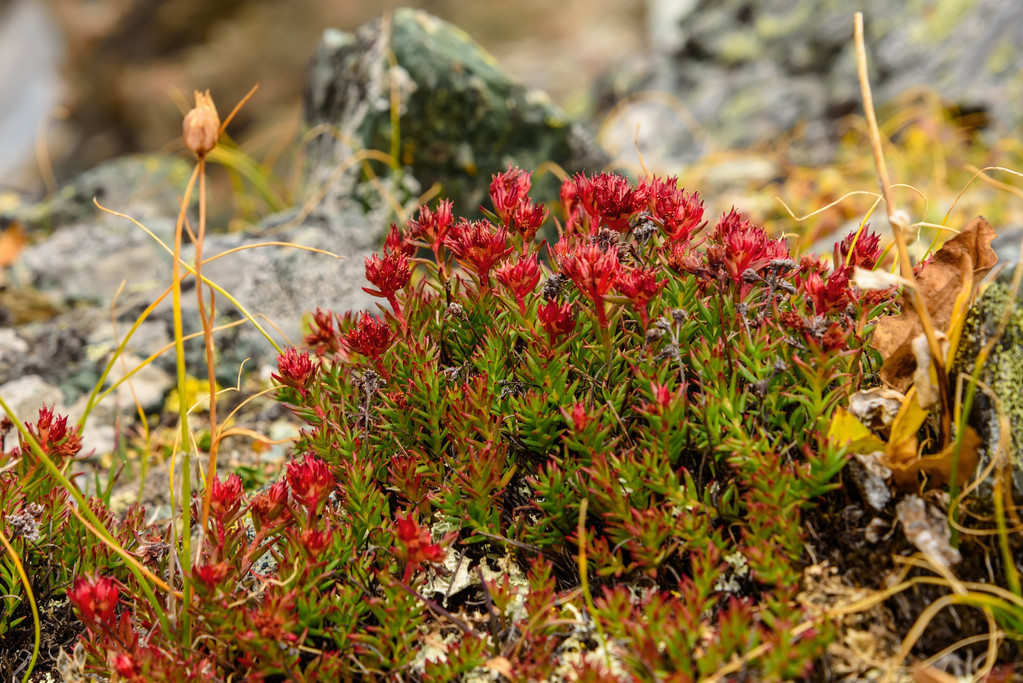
pixel 673 382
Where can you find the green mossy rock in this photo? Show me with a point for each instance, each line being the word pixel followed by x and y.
pixel 462 118
pixel 1003 372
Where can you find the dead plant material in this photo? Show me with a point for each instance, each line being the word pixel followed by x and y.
pixel 965 258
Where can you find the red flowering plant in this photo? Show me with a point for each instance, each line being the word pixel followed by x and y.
pixel 517 461
pixel 574 409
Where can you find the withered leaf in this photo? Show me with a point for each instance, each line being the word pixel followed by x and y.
pixel 967 254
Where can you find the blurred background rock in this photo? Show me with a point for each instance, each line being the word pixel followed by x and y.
pixel 82 81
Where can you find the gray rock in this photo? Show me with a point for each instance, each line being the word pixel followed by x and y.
pixel 27 394
pixel 746 72
pixel 462 118
pixel 1002 372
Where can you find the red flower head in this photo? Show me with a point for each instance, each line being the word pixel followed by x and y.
pixel 571 199
pixel 837 337
pixel 125 666
pixel 311 481
pixel 397 241
pixel 478 246
pixel 508 190
pixel 322 337
pixel 53 435
pixel 211 574
pixel 296 368
pixel 510 194
pixel 662 398
pixel 390 274
pixel 678 212
pixel 315 541
pixel 825 295
pixel 610 199
pixel 95 597
pixel 641 286
pixel 746 246
pixel 557 319
pixel 225 496
pixel 415 546
pixel 578 417
pixel 520 277
pixel 432 226
pixel 269 505
pixel 371 337
pixel 862 248
pixel 593 270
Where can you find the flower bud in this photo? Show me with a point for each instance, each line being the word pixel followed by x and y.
pixel 201 127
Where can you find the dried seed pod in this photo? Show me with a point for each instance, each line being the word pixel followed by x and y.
pixel 201 127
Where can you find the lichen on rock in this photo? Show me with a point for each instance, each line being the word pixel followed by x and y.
pixel 1002 372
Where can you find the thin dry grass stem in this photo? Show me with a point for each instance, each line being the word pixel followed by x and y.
pixel 220 290
pixel 206 318
pixel 994 637
pixel 321 192
pixel 97 526
pixel 997 460
pixel 125 555
pixel 395 89
pixel 293 245
pixel 237 108
pixel 43 160
pixel 19 569
pixel 551 167
pixel 986 597
pixel 899 222
pixel 159 352
pixel 800 219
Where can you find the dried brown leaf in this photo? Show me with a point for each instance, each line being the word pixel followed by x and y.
pixel 939 283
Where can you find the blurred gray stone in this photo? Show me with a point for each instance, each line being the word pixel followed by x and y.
pixel 27 394
pixel 747 71
pixel 462 118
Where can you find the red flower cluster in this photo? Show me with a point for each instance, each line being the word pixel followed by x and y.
pixel 577 416
pixel 520 277
pixel 745 246
pixel 311 482
pixel 211 575
pixel 510 193
pixel 95 598
pixel 858 249
pixel 225 497
pixel 609 199
pixel 826 295
pixel 271 505
pixel 370 337
pixel 397 242
pixel 415 546
pixel 389 274
pixel 432 226
pixel 678 212
pixel 640 286
pixel 296 369
pixel 53 435
pixel 557 319
pixel 322 338
pixel 478 246
pixel 593 270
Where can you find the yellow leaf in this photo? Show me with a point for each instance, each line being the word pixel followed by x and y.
pixel 846 430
